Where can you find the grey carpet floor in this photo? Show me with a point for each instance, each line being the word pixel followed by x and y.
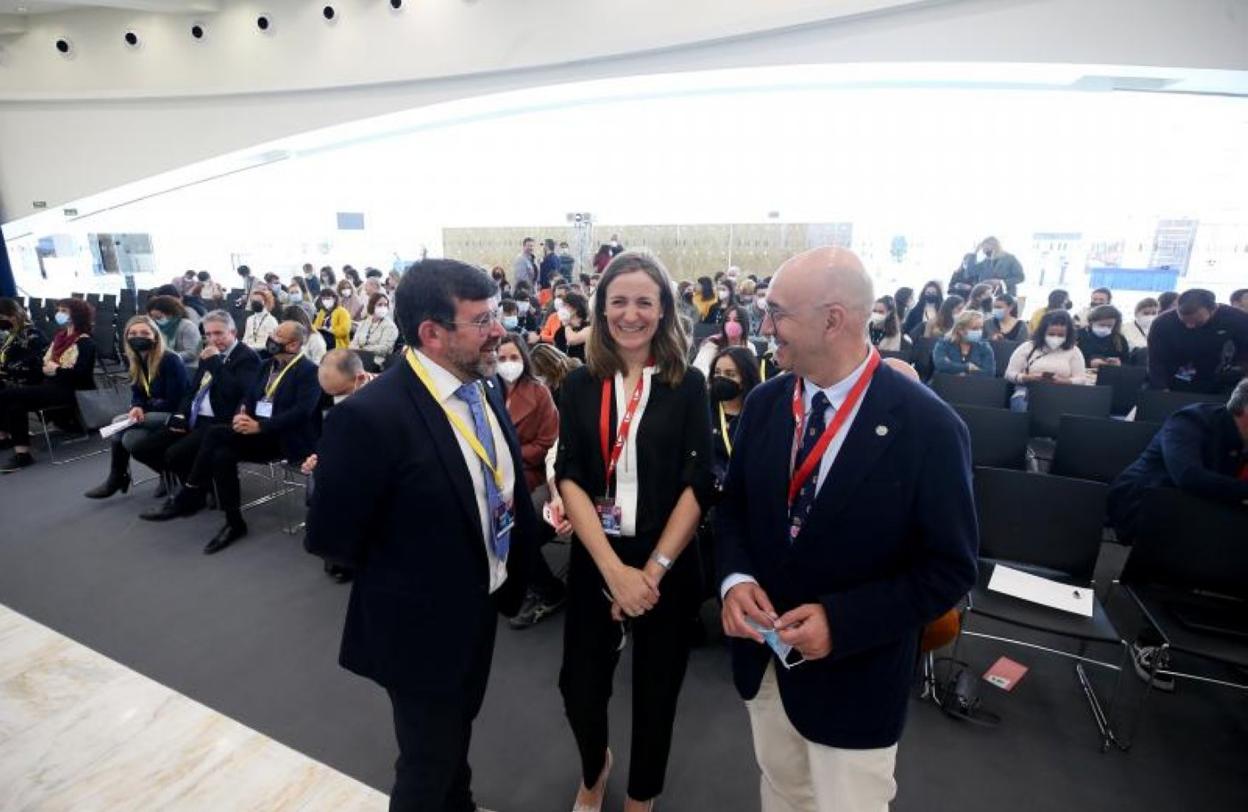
pixel 253 633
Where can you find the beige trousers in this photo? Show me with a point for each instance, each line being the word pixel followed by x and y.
pixel 801 776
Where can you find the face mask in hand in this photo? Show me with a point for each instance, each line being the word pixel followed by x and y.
pixel 1100 331
pixel 724 389
pixel 1054 342
pixel 510 371
pixel 141 344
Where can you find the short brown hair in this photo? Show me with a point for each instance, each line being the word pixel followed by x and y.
pixel 167 305
pixel 669 343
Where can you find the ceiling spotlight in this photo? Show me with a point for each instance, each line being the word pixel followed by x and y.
pixel 197 31
pixel 132 39
pixel 264 22
pixel 329 14
pixel 64 47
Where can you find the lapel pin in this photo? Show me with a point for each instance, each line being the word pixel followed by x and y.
pixel 881 430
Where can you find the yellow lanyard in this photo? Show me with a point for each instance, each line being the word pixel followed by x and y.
pixel 272 387
pixel 147 385
pixel 762 371
pixel 4 351
pixel 723 430
pixel 206 381
pixel 468 434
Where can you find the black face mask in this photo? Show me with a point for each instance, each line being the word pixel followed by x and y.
pixel 724 389
pixel 5 324
pixel 256 307
pixel 274 347
pixel 931 298
pixel 140 344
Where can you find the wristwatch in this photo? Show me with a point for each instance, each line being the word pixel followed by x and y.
pixel 662 560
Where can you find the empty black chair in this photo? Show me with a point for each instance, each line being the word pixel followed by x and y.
pixel 1157 404
pixel 1059 541
pixel 998 436
pixel 140 300
pixel 1099 448
pixel 110 300
pixel 923 363
pixel 1001 352
pixel 240 319
pixel 702 331
pixel 93 299
pixel 972 390
pixel 1126 383
pixel 1047 402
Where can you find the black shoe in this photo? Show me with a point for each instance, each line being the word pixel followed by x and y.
pixel 1142 658
pixel 185 502
pixel 111 485
pixel 19 460
pixel 535 610
pixel 163 513
pixel 227 536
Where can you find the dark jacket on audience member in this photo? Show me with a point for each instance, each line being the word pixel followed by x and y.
pixel 81 375
pixel 1197 450
pixel 890 545
pixel 1172 347
pixel 421 617
pixel 21 359
pixel 1111 346
pixel 947 357
pixel 167 388
pixel 231 378
pixel 296 407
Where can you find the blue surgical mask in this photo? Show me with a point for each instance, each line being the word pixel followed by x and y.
pixel 296 297
pixel 510 322
pixel 61 319
pixel 999 313
pixel 161 321
pixel 974 336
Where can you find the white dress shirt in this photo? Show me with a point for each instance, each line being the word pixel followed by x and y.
pixel 626 468
pixel 836 394
pixel 205 407
pixel 446 385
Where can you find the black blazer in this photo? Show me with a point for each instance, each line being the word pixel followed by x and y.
pixel 296 408
pixel 230 381
pixel 420 611
pixel 890 545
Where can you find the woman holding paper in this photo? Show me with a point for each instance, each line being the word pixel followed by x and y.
pixel 158 382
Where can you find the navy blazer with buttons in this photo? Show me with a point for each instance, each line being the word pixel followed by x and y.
pixel 296 407
pixel 420 617
pixel 890 545
pixel 231 378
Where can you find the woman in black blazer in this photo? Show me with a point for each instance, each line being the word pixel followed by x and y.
pixel 634 472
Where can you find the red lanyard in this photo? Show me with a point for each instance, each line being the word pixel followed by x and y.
pixel 829 433
pixel 604 423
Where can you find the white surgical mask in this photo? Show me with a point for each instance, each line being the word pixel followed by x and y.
pixel 1101 331
pixel 381 311
pixel 1055 342
pixel 510 371
pixel 327 303
pixel 1145 322
pixel 877 319
pixel 723 294
pixel 559 303
pixel 565 315
pixel 522 308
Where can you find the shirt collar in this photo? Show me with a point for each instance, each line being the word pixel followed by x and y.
pixel 837 392
pixel 443 380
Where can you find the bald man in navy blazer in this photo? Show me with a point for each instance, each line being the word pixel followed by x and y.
pixel 848 564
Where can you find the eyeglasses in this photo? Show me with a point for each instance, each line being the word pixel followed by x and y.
pixel 483 323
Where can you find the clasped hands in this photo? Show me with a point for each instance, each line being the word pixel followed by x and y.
pixel 805 627
pixel 246 424
pixel 633 591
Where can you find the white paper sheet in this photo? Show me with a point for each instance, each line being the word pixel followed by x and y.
pixel 113 428
pixel 1028 587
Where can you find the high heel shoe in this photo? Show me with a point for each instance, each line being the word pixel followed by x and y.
pixel 111 486
pixel 601 785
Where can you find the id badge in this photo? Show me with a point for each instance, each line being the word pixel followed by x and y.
pixel 610 515
pixel 504 518
pixel 264 409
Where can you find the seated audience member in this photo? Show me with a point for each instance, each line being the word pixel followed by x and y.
pixel 755 308
pixel 1005 325
pixel 548 316
pixel 924 310
pixel 298 294
pixel 332 316
pixel 1136 333
pixel 963 350
pixel 173 293
pixel 526 312
pixel 226 370
pixel 1202 450
pixel 1167 301
pixel 1101 341
pixel 351 301
pixel 158 382
pixel 327 277
pixel 904 299
pixel 280 420
pixel 184 282
pixel 193 300
pixel 574 329
pixel 950 308
pixel 68 366
pixel 1100 297
pixel 315 347
pixel 533 412
pixel 732 333
pixel 963 277
pixel 735 376
pixel 210 291
pixel 706 300
pixel 21 346
pixel 261 323
pixel 180 333
pixel 1239 299
pixel 981 298
pixel 1201 346
pixel 1058 300
pixel 1050 356
pixel 885 327
pixel 378 333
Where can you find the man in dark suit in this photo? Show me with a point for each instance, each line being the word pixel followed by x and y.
pixel 441 528
pixel 841 539
pixel 280 419
pixel 226 369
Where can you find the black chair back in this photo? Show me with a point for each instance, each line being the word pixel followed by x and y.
pixel 1139 357
pixel 1040 519
pixel 110 300
pixel 369 359
pixel 1001 352
pixel 923 363
pixel 971 390
pixel 1157 404
pixel 1097 448
pixel 900 355
pixel 1047 402
pixel 702 331
pixel 998 436
pixel 1126 384
pixel 1189 543
pixel 240 319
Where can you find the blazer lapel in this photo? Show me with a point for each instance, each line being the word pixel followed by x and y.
pixel 441 431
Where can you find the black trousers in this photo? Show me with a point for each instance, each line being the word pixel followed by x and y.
pixel 217 461
pixel 660 640
pixel 172 452
pixel 17 402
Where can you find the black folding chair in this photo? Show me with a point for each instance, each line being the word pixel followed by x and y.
pixel 1158 404
pixel 369 359
pixel 971 390
pixel 1126 383
pixel 1139 357
pixel 998 436
pixel 1099 448
pixel 1187 575
pixel 900 355
pixel 1047 402
pixel 1061 544
pixel 1001 352
pixel 702 331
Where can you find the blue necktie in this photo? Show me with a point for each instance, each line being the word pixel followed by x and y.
pixel 805 500
pixel 470 393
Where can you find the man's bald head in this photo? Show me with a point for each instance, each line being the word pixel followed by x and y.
pixel 829 275
pixel 291 335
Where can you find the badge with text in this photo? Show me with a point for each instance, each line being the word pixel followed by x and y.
pixel 264 409
pixel 611 516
